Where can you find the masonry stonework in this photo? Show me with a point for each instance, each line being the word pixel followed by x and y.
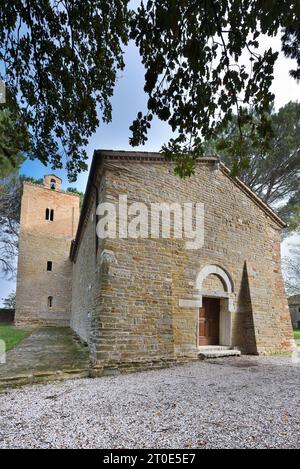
pixel 136 301
pixel 41 241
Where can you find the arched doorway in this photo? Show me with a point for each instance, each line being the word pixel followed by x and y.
pixel 215 290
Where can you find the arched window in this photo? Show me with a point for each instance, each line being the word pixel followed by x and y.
pixel 53 184
pixel 49 214
pixel 50 301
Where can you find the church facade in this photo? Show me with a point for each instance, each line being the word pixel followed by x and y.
pixel 145 301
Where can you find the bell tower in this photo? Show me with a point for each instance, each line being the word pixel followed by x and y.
pixel 52 182
pixel 49 220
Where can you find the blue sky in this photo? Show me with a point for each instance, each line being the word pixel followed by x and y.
pixel 129 98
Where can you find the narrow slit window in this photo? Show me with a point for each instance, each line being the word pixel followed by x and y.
pixel 50 301
pixel 47 214
pixel 49 266
pixel 51 215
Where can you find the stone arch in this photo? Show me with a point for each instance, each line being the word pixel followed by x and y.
pixel 53 184
pixel 226 297
pixel 220 273
pixel 214 283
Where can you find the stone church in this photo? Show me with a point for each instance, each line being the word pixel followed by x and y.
pixel 146 302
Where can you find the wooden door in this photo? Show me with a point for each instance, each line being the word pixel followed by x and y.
pixel 209 322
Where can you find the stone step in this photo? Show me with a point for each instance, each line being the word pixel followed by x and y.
pixel 210 353
pixel 206 348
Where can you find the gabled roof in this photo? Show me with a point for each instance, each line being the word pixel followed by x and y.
pixel 255 198
pixel 53 175
pixel 148 157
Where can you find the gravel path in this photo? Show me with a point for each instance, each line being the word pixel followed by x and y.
pixel 248 402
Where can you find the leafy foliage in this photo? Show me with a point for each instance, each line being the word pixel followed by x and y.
pixel 31 179
pixel 274 174
pixel 291 269
pixel 10 301
pixel 10 204
pixel 195 75
pixel 291 47
pixel 14 142
pixel 73 190
pixel 61 60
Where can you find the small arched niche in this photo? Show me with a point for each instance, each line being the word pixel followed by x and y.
pixel 213 283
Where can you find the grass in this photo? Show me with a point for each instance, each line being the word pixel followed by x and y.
pixel 297 337
pixel 12 335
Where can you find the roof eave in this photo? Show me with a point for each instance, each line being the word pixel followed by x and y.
pixel 255 198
